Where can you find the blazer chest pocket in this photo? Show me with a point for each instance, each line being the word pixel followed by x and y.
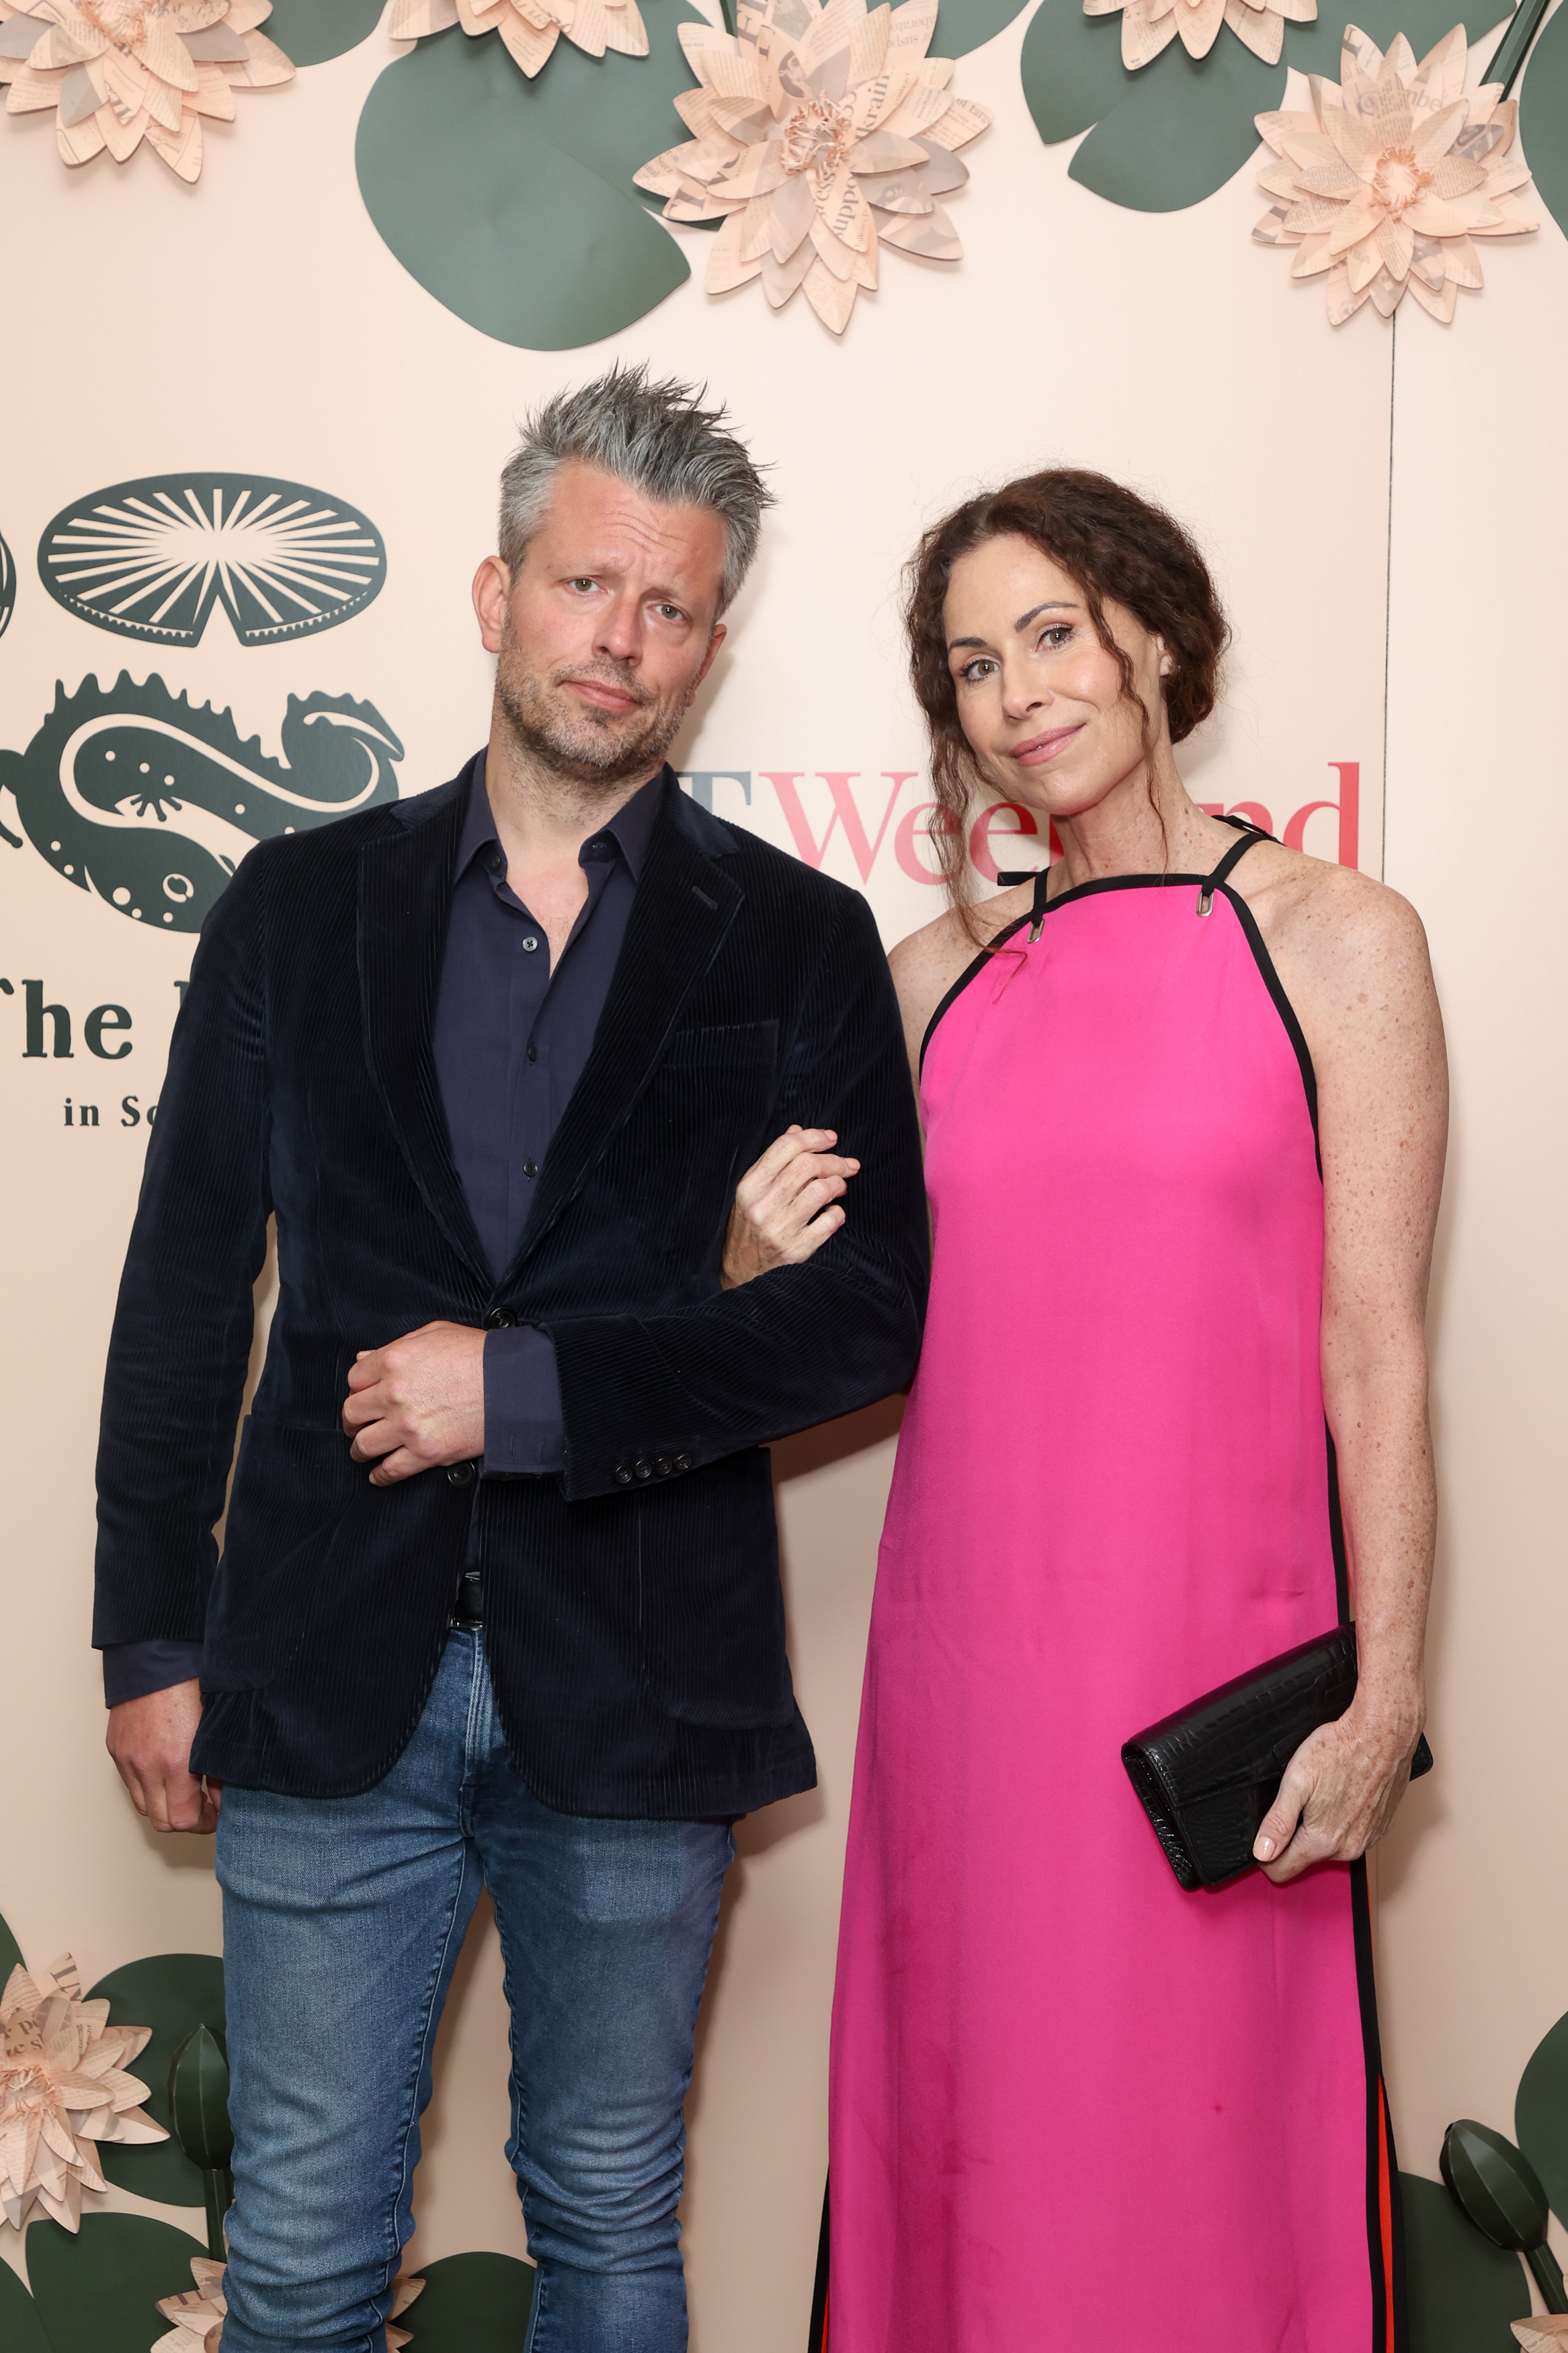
pixel 703 1121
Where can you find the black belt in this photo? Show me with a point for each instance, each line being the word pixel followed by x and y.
pixel 469 1609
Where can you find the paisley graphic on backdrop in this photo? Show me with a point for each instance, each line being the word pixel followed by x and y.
pixel 7 586
pixel 150 803
pixel 151 558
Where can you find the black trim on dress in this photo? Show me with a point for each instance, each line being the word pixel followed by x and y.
pixel 966 976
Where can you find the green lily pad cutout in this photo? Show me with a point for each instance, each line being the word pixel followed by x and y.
pixel 1171 133
pixel 10 1955
pixel 1462 2291
pixel 174 1993
pixel 1541 2110
pixel 21 2330
pixel 309 32
pixel 99 2291
pixel 1543 136
pixel 965 25
pixel 471 2303
pixel 511 201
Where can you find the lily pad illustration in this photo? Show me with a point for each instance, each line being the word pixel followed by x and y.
pixel 7 586
pixel 1173 132
pixel 1543 118
pixel 150 803
pixel 312 31
pixel 151 558
pixel 511 201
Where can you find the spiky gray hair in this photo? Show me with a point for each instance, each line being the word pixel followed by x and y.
pixel 658 440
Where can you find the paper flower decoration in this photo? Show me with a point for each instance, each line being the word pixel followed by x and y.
pixel 119 71
pixel 1545 2334
pixel 1386 182
pixel 529 28
pixel 819 135
pixel 62 2087
pixel 1148 26
pixel 198 2315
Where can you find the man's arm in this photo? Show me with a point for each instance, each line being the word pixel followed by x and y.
pixel 801 1343
pixel 181 1343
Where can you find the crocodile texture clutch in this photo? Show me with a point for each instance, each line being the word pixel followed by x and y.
pixel 1207 1775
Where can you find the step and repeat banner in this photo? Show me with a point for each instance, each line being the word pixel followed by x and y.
pixel 264 359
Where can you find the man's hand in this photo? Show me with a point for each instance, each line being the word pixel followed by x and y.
pixel 786 1204
pixel 417 1402
pixel 149 1740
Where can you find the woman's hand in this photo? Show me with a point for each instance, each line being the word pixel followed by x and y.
pixel 1341 1787
pixel 786 1205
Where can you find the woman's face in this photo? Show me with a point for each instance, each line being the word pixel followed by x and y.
pixel 1039 698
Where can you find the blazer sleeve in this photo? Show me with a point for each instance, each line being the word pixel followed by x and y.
pixel 183 1327
pixel 801 1344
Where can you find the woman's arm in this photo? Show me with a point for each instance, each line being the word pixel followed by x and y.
pixel 1354 960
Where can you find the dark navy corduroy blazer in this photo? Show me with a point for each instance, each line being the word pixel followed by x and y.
pixel 633 1612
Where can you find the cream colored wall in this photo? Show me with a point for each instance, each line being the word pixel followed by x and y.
pixel 258 323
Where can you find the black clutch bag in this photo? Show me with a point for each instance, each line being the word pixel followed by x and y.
pixel 1207 1775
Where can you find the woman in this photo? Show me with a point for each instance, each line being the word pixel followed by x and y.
pixel 1071 2103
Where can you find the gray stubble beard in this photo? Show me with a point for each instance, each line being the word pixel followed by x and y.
pixel 586 759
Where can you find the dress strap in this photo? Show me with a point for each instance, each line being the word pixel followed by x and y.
pixel 1228 863
pixel 1037 908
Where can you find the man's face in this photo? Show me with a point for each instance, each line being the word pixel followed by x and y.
pixel 606 631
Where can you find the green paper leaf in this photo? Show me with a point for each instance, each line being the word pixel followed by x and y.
pixel 965 25
pixel 511 201
pixel 1543 136
pixel 309 32
pixel 98 2292
pixel 21 2330
pixel 7 607
pixel 471 2303
pixel 1183 129
pixel 10 1950
pixel 1173 132
pixel 198 2101
pixel 1463 2291
pixel 174 1993
pixel 1541 2111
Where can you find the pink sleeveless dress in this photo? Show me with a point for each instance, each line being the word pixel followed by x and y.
pixel 1071 2106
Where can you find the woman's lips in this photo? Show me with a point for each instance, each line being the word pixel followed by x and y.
pixel 1040 748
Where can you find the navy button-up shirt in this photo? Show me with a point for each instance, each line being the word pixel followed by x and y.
pixel 510 1037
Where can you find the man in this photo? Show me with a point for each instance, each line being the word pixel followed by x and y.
pixel 494 1057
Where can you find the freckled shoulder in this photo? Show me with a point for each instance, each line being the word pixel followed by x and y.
pixel 1349 951
pixel 925 965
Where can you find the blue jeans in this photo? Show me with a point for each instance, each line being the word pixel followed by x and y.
pixel 343 1918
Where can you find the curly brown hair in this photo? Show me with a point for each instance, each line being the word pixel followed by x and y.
pixel 1116 546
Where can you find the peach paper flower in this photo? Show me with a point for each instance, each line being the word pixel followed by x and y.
pixel 1386 182
pixel 198 2315
pixel 820 135
pixel 119 71
pixel 529 28
pixel 62 2086
pixel 1148 25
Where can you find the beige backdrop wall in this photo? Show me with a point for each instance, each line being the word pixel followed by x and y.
pixel 258 323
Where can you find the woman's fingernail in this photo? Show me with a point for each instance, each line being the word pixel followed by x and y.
pixel 1264 1850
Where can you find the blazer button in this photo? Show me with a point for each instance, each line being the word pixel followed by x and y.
pixel 623 1474
pixel 643 1470
pixel 500 1319
pixel 664 1466
pixel 683 1461
pixel 461 1474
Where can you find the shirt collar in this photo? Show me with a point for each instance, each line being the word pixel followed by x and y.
pixel 631 827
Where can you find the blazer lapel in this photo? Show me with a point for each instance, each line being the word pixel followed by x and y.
pixel 404 900
pixel 685 904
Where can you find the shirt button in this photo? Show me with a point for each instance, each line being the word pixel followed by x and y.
pixel 494 861
pixel 533 1051
pixel 529 942
pixel 530 1167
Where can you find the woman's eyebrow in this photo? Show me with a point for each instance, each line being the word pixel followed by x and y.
pixel 1050 605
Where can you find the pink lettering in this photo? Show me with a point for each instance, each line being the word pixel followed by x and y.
pixel 984 865
pixel 1348 806
pixel 910 826
pixel 845 811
